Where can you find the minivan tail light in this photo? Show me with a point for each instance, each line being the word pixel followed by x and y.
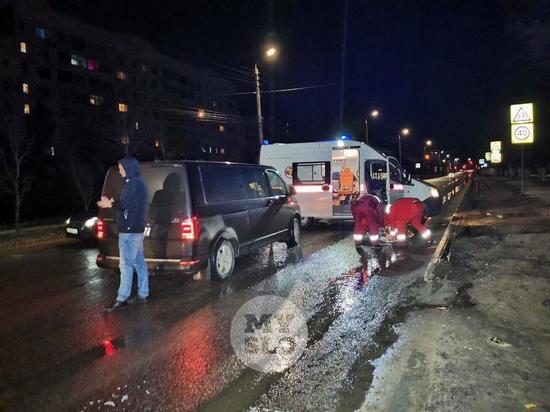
pixel 189 228
pixel 100 229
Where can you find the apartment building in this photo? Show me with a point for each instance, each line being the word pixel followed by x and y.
pixel 119 84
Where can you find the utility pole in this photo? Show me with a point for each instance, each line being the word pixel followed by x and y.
pixel 399 138
pixel 259 106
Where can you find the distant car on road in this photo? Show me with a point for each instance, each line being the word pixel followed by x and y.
pixel 82 226
pixel 202 215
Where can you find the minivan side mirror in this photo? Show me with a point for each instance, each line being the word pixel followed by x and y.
pixel 292 191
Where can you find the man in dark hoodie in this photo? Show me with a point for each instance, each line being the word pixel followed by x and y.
pixel 131 214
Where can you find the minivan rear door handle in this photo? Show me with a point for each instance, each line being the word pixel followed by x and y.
pixel 270 202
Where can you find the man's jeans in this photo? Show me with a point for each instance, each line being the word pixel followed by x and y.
pixel 130 246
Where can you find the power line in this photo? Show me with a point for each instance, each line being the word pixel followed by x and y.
pixel 292 89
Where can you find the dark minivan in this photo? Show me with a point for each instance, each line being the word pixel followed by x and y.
pixel 202 215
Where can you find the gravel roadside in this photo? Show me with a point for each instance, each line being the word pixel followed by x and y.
pixel 480 339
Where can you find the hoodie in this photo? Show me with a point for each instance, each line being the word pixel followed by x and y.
pixel 132 205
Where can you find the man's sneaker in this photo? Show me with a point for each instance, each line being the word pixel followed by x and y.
pixel 115 305
pixel 137 299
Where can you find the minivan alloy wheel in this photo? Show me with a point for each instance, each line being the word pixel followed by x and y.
pixel 224 259
pixel 297 230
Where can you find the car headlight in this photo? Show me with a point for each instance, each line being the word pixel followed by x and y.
pixel 90 222
pixel 68 221
pixel 434 192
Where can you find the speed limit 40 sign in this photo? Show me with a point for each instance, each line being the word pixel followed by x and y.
pixel 523 133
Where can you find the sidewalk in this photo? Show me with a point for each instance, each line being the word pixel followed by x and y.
pixel 33 237
pixel 496 284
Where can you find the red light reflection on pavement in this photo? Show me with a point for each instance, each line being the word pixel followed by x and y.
pixel 110 349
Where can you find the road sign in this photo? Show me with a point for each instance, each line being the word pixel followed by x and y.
pixel 521 113
pixel 496 157
pixel 488 156
pixel 523 133
pixel 496 146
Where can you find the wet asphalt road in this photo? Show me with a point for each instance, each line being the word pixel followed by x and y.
pixel 60 351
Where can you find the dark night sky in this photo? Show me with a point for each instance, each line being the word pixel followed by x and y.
pixel 446 69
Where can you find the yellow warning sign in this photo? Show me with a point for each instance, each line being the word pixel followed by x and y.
pixel 521 113
pixel 488 156
pixel 523 133
pixel 496 157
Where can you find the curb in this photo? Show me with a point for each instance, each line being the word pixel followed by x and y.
pixel 32 228
pixel 442 246
pixel 21 245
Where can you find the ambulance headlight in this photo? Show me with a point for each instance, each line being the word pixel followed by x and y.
pixel 434 192
pixel 357 237
pixel 90 222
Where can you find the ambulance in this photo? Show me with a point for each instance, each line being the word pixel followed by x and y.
pixel 328 175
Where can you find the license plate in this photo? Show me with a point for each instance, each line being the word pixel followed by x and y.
pixel 72 231
pixel 147 231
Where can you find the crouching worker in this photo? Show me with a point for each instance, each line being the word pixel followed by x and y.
pixel 368 215
pixel 403 212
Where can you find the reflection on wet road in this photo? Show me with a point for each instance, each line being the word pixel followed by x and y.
pixel 59 350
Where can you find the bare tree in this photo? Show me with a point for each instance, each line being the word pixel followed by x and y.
pixel 87 149
pixel 15 180
pixel 84 180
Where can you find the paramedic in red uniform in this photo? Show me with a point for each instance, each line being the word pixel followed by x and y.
pixel 368 212
pixel 403 212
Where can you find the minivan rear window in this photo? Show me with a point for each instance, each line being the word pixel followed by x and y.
pixel 222 182
pixel 165 187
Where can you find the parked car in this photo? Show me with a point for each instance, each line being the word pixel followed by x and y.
pixel 202 215
pixel 82 226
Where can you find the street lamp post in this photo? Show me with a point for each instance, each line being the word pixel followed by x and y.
pixel 270 53
pixel 259 106
pixel 404 132
pixel 427 143
pixel 374 114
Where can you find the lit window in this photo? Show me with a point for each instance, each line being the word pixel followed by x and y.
pixel 96 100
pixel 78 60
pixel 23 47
pixel 52 151
pixel 143 68
pixel 121 75
pixel 26 108
pixel 41 32
pixel 137 125
pixel 92 65
pixel 26 88
pixel 222 150
pixel 222 128
pixel 122 107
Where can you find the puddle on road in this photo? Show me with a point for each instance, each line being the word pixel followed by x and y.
pixel 341 294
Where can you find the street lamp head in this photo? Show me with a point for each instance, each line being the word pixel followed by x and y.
pixel 428 142
pixel 405 131
pixel 271 52
pixel 375 113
